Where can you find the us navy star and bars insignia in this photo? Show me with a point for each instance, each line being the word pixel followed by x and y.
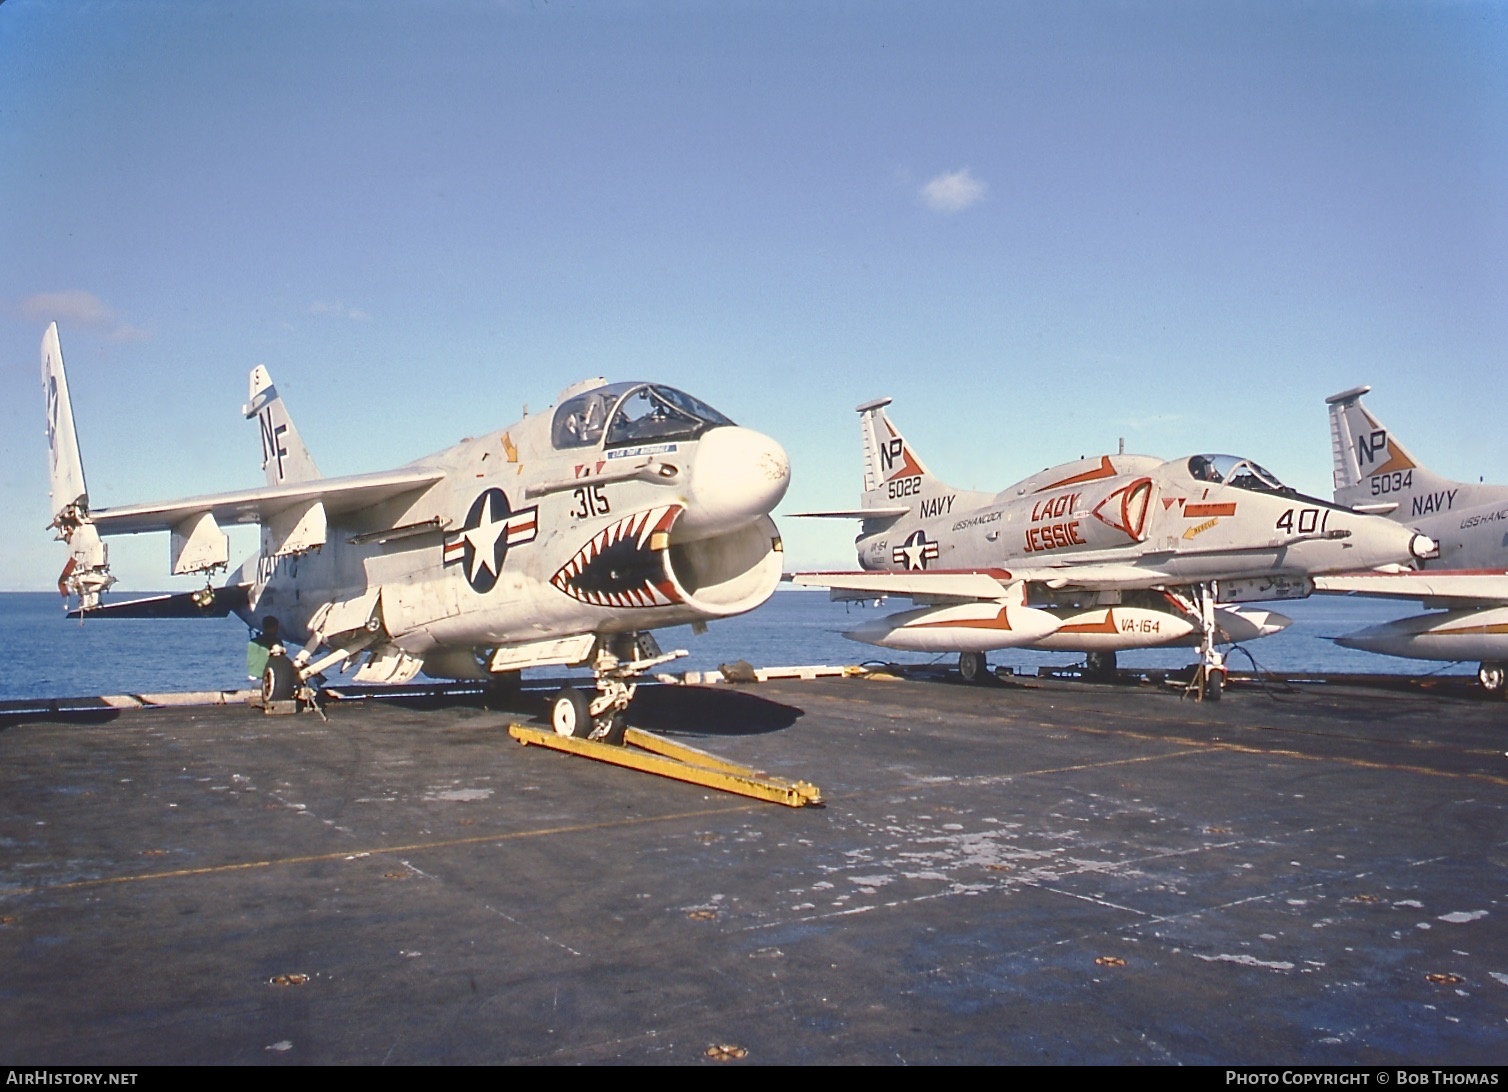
pixel 492 528
pixel 916 551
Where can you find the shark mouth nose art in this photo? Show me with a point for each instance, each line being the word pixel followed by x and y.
pixel 624 565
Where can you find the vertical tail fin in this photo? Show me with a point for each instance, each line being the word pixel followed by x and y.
pixel 87 572
pixel 284 456
pixel 893 474
pixel 1372 469
pixel 70 495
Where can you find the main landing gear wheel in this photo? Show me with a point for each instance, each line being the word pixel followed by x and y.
pixel 1100 665
pixel 1494 679
pixel 973 667
pixel 571 713
pixel 279 680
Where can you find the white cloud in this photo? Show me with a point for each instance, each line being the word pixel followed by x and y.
pixel 355 314
pixel 75 307
pixel 1158 420
pixel 953 192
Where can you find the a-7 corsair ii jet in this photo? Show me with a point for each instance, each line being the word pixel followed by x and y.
pixel 1119 551
pixel 1468 581
pixel 562 539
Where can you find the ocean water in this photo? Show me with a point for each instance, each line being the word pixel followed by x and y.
pixel 47 655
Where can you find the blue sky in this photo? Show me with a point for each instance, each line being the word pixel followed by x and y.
pixel 1040 227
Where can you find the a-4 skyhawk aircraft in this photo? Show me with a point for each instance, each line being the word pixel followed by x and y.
pixel 1106 553
pixel 562 539
pixel 1468 582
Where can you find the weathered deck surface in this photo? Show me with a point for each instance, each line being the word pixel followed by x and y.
pixel 1047 872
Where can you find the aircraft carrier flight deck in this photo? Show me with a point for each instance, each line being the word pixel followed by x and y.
pixel 1036 871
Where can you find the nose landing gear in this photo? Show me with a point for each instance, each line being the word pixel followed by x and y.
pixel 620 660
pixel 1209 677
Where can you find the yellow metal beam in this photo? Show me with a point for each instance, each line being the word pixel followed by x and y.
pixel 657 755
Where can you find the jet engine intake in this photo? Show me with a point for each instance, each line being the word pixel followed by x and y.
pixel 728 573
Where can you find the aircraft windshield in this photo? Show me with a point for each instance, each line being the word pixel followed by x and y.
pixel 1236 471
pixel 632 413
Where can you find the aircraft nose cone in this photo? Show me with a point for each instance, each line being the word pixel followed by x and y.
pixel 1272 622
pixel 1367 640
pixel 737 475
pixel 871 632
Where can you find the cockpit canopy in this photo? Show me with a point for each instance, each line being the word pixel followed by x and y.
pixel 1236 471
pixel 631 413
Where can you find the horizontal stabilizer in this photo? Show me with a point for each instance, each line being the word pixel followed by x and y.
pixel 217 603
pixel 854 513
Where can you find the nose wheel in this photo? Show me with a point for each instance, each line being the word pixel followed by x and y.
pixel 604 717
pixel 1494 679
pixel 571 715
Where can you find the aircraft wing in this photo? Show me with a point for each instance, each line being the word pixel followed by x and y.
pixel 973 585
pixel 257 505
pixel 1437 587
